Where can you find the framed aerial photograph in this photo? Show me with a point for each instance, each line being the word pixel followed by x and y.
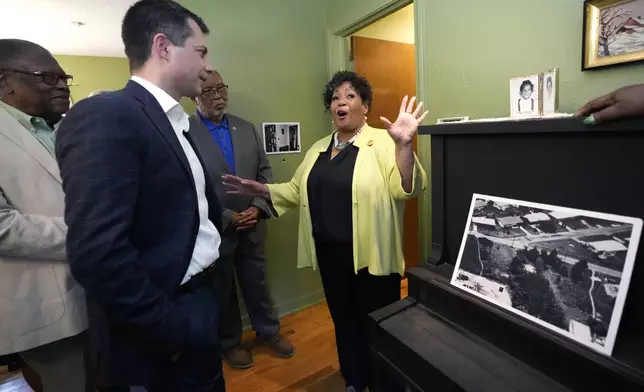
pixel 564 269
pixel 549 92
pixel 525 96
pixel 281 138
pixel 613 33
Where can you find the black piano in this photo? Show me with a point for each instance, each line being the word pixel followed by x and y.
pixel 442 338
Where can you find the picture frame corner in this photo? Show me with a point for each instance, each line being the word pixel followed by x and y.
pixel 591 59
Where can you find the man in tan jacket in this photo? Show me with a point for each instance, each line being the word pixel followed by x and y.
pixel 42 309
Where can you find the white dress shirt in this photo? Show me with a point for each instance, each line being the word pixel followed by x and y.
pixel 206 249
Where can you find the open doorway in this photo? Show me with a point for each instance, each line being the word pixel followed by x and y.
pixel 384 52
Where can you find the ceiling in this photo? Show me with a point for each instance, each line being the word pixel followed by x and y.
pixel 53 24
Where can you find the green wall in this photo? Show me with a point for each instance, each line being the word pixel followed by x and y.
pixel 482 48
pixel 94 73
pixel 272 54
pixel 342 13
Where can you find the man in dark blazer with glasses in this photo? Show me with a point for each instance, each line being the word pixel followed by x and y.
pixel 231 145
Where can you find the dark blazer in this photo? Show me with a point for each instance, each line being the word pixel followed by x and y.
pixel 250 163
pixel 131 208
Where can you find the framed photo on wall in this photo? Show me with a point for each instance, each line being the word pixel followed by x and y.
pixel 613 33
pixel 525 96
pixel 281 138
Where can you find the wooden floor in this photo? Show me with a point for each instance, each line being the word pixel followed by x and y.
pixel 314 368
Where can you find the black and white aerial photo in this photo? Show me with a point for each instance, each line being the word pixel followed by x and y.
pixel 565 269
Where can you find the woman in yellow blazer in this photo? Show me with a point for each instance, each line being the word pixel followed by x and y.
pixel 351 188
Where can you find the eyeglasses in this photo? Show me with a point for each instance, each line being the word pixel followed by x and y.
pixel 49 78
pixel 212 92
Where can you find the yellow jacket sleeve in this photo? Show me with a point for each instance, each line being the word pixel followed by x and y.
pixel 418 179
pixel 286 196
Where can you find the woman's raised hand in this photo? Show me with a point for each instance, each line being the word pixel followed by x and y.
pixel 402 131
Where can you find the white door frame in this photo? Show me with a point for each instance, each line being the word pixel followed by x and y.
pixel 338 59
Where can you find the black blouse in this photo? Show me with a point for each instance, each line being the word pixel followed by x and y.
pixel 330 195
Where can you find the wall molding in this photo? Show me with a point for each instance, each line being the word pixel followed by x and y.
pixel 421 10
pixel 368 19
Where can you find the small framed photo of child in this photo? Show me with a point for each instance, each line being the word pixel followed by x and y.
pixel 549 93
pixel 525 96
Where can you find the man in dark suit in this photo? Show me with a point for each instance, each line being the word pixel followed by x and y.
pixel 143 219
pixel 230 145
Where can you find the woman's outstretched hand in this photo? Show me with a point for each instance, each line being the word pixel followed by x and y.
pixel 239 186
pixel 402 131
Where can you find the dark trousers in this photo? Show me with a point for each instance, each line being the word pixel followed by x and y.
pixel 201 373
pixel 196 369
pixel 351 297
pixel 200 370
pixel 249 262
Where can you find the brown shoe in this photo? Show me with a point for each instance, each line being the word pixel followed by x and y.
pixel 238 358
pixel 280 346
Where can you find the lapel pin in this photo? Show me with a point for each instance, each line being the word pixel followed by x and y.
pixel 234 128
pixel 370 143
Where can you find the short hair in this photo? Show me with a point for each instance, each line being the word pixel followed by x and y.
pixel 357 82
pixel 13 52
pixel 146 18
pixel 526 83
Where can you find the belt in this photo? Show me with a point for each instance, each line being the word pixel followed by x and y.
pixel 203 278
